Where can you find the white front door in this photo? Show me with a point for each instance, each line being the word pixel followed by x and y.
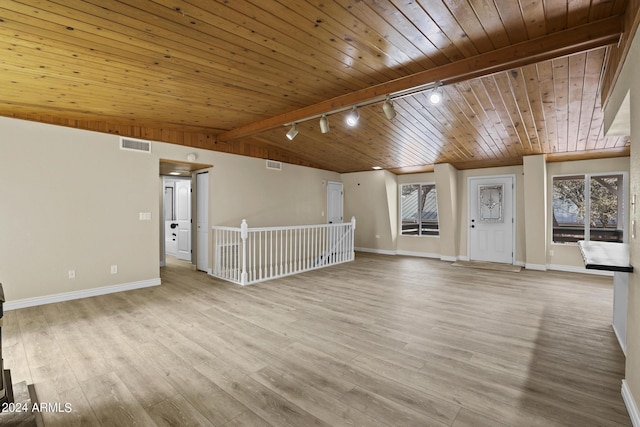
pixel 202 209
pixel 183 218
pixel 334 202
pixel 491 219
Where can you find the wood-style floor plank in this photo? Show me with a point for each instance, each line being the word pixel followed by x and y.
pixel 380 341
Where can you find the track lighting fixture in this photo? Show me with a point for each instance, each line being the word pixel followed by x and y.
pixel 353 116
pixel 292 132
pixel 388 109
pixel 324 124
pixel 436 94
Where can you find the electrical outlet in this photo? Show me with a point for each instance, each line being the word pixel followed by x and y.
pixel 114 269
pixel 550 252
pixel 72 274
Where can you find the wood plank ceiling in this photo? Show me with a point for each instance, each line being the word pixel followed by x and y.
pixel 229 75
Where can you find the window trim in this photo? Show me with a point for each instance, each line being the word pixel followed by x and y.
pixel 587 228
pixel 421 183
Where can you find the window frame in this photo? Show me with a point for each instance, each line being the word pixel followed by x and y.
pixel 432 232
pixel 587 176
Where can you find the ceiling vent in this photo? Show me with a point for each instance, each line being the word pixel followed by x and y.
pixel 273 165
pixel 131 144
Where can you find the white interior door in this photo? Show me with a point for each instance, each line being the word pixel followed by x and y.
pixel 183 218
pixel 491 220
pixel 334 202
pixel 202 209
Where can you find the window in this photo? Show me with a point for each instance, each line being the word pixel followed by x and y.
pixel 418 210
pixel 588 207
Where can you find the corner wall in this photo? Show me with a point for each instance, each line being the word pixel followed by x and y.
pixel 368 197
pixel 628 82
pixel 71 200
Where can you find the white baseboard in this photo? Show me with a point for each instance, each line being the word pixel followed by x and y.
pixel 376 251
pixel 86 293
pixel 539 267
pixel 449 258
pixel 572 269
pixel 631 405
pixel 418 254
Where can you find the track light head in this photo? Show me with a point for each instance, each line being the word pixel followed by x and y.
pixel 292 132
pixel 324 124
pixel 436 94
pixel 388 109
pixel 353 116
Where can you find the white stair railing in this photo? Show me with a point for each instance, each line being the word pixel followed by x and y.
pixel 246 255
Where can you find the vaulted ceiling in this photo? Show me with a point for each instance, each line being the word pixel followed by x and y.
pixel 519 77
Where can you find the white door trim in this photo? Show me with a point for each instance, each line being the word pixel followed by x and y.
pixel 513 210
pixel 202 221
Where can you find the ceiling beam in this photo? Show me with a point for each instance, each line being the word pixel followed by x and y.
pixel 573 40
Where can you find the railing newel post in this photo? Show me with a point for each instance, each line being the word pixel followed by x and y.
pixel 244 233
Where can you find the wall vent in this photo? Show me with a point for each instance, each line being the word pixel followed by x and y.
pixel 273 165
pixel 131 144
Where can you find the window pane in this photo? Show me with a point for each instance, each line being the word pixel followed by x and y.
pixel 568 209
pixel 409 209
pixel 606 193
pixel 429 210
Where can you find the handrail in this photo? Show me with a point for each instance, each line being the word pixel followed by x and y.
pixel 246 255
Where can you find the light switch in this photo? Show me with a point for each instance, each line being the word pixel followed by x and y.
pixel 145 216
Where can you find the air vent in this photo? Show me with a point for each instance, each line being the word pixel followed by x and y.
pixel 273 165
pixel 135 145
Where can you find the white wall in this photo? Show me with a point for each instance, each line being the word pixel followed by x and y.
pixel 71 200
pixel 371 197
pixel 629 84
pixel 367 196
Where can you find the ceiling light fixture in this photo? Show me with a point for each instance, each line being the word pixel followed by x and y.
pixel 292 132
pixel 388 108
pixel 324 124
pixel 377 168
pixel 436 94
pixel 353 116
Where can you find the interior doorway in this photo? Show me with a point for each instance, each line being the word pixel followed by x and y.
pixel 177 217
pixel 188 220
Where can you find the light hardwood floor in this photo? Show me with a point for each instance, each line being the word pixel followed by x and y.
pixel 381 341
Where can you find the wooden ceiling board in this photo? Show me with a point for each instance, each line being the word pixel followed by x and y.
pixel 229 76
